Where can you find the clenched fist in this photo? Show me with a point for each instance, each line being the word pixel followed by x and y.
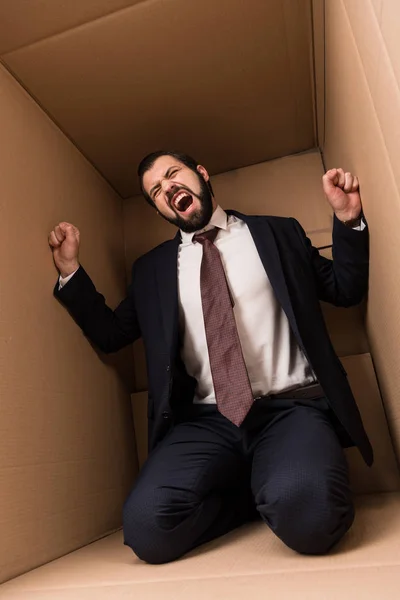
pixel 64 242
pixel 341 190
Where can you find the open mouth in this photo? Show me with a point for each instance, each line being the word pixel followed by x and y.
pixel 182 201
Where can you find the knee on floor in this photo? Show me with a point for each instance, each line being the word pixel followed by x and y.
pixel 151 523
pixel 309 518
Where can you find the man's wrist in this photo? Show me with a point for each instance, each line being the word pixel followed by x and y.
pixel 350 221
pixel 68 270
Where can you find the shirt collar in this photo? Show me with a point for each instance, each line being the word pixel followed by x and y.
pixel 219 219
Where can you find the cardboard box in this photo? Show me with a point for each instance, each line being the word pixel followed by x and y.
pixel 267 94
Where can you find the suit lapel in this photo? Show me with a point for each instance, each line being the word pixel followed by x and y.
pixel 167 287
pixel 167 276
pixel 264 240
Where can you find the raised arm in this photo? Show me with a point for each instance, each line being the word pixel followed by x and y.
pixel 110 330
pixel 342 281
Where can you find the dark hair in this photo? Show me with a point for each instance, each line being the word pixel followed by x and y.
pixel 148 161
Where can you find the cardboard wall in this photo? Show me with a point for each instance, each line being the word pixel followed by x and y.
pixel 67 455
pixel 22 24
pixel 289 186
pixel 362 134
pixel 229 81
pixel 318 66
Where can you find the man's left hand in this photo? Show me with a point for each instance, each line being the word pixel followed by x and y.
pixel 341 190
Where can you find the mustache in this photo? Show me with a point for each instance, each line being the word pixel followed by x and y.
pixel 179 188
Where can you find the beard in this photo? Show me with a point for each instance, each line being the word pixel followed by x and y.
pixel 199 218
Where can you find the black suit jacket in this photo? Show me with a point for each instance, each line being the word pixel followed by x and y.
pixel 300 278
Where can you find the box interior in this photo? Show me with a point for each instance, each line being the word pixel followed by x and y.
pixel 267 95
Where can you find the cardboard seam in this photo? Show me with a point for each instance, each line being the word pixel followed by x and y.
pixel 314 150
pixel 34 99
pixel 132 584
pixel 93 540
pixel 366 79
pixel 289 54
pixel 391 427
pixel 65 32
pixel 384 48
pixel 131 350
pixel 324 84
pixel 313 74
pixel 319 142
pixel 389 401
pixel 231 575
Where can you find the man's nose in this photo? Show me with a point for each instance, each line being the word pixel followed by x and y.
pixel 167 185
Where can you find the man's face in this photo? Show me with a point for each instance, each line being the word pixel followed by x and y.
pixel 180 195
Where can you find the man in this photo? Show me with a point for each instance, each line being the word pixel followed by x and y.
pixel 249 407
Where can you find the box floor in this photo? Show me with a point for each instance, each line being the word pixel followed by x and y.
pixel 249 561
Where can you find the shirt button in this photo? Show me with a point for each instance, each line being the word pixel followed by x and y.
pixel 165 415
pixel 168 369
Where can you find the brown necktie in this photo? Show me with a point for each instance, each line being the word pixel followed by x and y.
pixel 231 381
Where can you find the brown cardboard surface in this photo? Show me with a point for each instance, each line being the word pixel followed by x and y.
pixel 346 328
pixel 376 37
pixel 377 5
pixel 318 66
pixel 139 411
pixel 289 186
pixel 66 448
pixel 66 444
pixel 343 584
pixel 173 74
pixel 23 22
pixel 383 476
pixel 251 554
pixel 362 135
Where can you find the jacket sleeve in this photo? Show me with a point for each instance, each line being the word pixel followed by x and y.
pixel 342 281
pixel 110 330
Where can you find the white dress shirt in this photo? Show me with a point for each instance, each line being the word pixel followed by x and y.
pixel 273 358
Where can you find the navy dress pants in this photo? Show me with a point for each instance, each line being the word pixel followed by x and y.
pixel 285 465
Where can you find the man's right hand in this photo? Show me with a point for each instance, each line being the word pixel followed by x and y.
pixel 64 242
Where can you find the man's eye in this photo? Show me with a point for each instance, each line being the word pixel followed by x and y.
pixel 156 192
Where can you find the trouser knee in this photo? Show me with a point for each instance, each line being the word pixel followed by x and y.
pixel 154 523
pixel 310 519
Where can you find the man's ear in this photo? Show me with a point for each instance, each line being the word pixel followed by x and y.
pixel 203 172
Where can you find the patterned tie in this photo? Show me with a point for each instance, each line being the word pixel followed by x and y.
pixel 231 381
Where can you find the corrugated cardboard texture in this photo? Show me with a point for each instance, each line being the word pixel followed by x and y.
pixel 363 136
pixel 229 81
pixel 382 477
pixel 66 448
pixel 249 562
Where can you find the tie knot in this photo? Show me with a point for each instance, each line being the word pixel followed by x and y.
pixel 209 235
